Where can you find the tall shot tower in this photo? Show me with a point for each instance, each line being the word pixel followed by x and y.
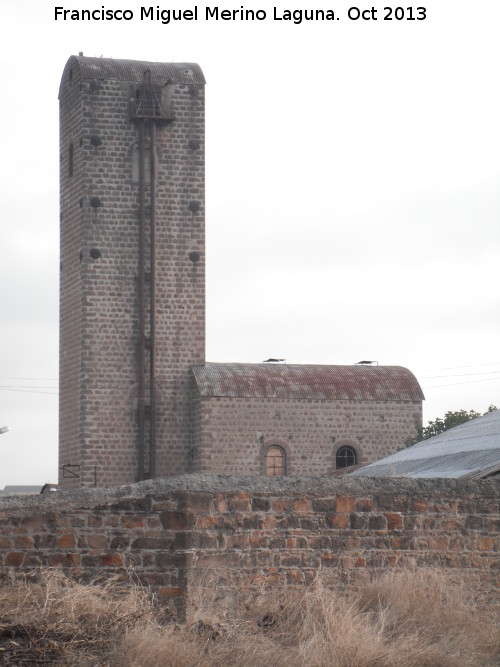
pixel 132 287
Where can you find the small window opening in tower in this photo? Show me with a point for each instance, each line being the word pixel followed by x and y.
pixel 275 462
pixel 346 457
pixel 70 159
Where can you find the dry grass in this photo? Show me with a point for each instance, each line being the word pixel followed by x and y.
pixel 47 618
pixel 409 619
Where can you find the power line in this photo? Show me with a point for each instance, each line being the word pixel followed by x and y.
pixel 30 391
pixel 7 377
pixel 458 375
pixel 455 384
pixel 21 386
pixel 453 368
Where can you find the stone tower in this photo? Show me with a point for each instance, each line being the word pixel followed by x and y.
pixel 132 287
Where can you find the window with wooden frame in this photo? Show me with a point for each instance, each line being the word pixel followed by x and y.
pixel 275 461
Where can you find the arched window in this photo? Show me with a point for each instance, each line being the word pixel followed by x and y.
pixel 275 461
pixel 346 456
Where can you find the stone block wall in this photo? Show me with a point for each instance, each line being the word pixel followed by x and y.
pixel 240 533
pixel 99 285
pixel 234 433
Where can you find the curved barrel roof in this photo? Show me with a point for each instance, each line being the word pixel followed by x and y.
pixel 370 383
pixel 133 70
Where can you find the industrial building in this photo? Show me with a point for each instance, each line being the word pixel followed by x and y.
pixel 137 398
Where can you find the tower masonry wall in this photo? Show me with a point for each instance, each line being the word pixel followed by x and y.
pixel 240 533
pixel 99 337
pixel 72 186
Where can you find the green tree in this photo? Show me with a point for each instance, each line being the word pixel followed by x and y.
pixel 440 425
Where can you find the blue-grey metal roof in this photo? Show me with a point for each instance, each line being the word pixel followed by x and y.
pixel 372 383
pixel 470 450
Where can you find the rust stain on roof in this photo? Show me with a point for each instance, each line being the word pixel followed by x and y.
pixel 369 383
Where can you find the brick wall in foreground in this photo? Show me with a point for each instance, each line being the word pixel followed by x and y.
pixel 240 533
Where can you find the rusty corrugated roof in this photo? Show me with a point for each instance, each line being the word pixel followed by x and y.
pixel 370 383
pixel 133 70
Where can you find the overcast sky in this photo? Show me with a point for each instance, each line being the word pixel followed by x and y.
pixel 353 195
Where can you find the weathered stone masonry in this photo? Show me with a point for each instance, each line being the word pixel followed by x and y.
pixel 100 337
pixel 308 411
pixel 244 532
pixel 137 399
